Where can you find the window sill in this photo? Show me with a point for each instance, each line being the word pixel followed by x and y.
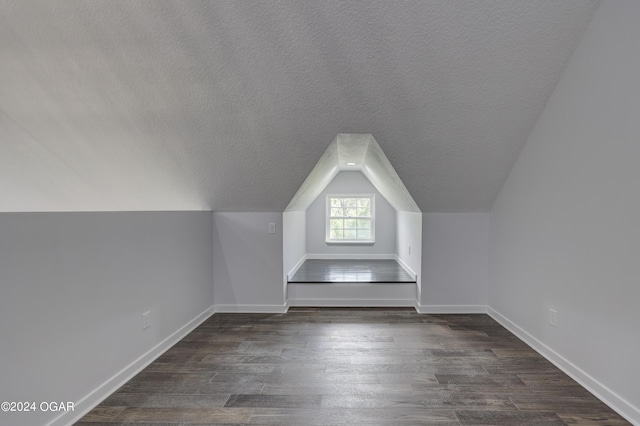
pixel 358 242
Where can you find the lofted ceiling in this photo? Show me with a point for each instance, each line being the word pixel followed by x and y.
pixel 228 105
pixel 349 152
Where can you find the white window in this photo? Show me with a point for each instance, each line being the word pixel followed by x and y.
pixel 350 218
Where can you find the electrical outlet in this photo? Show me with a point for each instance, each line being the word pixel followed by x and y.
pixel 553 317
pixel 272 228
pixel 146 320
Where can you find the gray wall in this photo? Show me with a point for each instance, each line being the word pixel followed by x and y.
pixel 73 290
pixel 564 229
pixel 385 219
pixel 247 263
pixel 248 272
pixel 455 256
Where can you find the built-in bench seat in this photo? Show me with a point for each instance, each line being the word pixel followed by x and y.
pixel 342 282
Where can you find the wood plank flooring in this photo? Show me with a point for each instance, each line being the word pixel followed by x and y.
pixel 352 270
pixel 351 366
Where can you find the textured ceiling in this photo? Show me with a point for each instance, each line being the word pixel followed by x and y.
pixel 228 105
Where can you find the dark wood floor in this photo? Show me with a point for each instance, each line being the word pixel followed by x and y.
pixel 360 271
pixel 352 366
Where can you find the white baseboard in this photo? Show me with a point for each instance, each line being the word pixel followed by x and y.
pixel 602 392
pixel 352 303
pixel 406 267
pixel 99 394
pixel 251 309
pixel 350 256
pixel 295 268
pixel 451 309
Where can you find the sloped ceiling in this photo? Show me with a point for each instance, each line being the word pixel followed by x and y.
pixel 228 105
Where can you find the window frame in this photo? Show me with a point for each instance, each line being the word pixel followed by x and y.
pixel 328 218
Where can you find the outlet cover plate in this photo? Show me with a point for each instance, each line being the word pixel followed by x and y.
pixel 553 317
pixel 146 320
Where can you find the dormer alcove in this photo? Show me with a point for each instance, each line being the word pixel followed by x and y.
pixel 338 253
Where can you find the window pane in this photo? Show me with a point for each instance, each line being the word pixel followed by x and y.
pixel 350 234
pixel 351 202
pixel 336 223
pixel 336 212
pixel 350 212
pixel 350 224
pixel 364 234
pixel 364 212
pixel 336 234
pixel 363 202
pixel 336 202
pixel 364 224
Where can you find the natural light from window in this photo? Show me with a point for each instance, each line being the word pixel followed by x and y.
pixel 350 218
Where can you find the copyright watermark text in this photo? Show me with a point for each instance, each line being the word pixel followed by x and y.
pixel 29 406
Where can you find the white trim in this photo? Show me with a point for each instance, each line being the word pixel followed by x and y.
pixel 450 309
pixel 349 242
pixel 330 256
pixel 599 390
pixel 295 268
pixel 353 303
pixel 406 267
pixel 99 394
pixel 251 309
